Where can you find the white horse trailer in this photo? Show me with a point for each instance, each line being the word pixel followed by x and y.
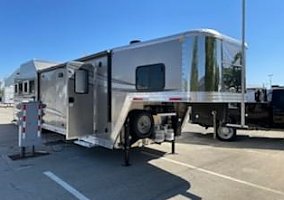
pixel 8 97
pixel 9 90
pixel 144 89
pixel 26 82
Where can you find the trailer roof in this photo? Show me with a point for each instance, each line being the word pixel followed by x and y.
pixel 10 79
pixel 206 32
pixel 82 59
pixel 29 69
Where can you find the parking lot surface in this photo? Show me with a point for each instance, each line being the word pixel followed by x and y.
pixel 202 168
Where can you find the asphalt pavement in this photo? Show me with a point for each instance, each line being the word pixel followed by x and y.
pixel 203 168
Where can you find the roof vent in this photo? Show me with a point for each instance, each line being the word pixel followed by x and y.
pixel 134 41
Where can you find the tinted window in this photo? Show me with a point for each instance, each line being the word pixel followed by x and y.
pixel 278 98
pixel 150 77
pixel 32 86
pixel 16 88
pixel 81 81
pixel 20 88
pixel 25 87
pixel 60 75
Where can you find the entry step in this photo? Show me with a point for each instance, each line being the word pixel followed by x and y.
pixel 84 143
pixel 95 140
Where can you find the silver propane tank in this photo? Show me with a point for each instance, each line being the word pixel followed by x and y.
pixel 159 134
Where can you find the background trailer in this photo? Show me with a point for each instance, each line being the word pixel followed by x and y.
pixel 26 82
pixel 9 89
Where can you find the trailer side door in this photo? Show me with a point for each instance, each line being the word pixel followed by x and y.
pixel 80 101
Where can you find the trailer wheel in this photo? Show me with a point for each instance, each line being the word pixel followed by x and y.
pixel 226 133
pixel 141 124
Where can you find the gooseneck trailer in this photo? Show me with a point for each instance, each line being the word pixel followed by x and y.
pixel 144 90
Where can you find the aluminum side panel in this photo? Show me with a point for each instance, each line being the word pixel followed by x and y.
pixel 53 93
pixel 125 62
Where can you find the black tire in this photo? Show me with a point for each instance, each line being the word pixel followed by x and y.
pixel 226 133
pixel 141 124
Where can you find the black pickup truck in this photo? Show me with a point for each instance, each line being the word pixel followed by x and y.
pixel 267 112
pixel 264 110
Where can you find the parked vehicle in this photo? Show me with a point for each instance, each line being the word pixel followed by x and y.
pixel 144 89
pixel 264 109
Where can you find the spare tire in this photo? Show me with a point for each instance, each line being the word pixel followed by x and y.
pixel 141 124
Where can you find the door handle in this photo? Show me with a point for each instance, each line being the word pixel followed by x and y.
pixel 71 100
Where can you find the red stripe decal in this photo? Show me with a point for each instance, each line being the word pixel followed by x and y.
pixel 175 99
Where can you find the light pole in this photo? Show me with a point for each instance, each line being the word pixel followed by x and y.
pixel 243 63
pixel 270 79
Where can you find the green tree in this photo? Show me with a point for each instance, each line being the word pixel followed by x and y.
pixel 232 74
pixel 194 67
pixel 211 74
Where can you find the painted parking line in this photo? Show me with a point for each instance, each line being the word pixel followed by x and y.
pixel 65 185
pixel 216 174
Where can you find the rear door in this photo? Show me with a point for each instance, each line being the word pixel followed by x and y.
pixel 80 100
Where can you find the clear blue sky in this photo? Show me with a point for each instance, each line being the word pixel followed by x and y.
pixel 61 30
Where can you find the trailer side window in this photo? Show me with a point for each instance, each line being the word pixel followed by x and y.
pixel 60 75
pixel 26 87
pixel 20 88
pixel 32 86
pixel 81 81
pixel 16 88
pixel 150 77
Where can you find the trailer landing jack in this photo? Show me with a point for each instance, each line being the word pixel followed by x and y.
pixel 127 144
pixel 173 146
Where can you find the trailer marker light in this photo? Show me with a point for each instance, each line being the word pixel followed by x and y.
pixel 175 98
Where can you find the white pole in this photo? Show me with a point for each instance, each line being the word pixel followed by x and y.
pixel 243 64
pixel 270 79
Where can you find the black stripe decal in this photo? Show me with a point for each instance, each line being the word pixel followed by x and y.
pixel 109 84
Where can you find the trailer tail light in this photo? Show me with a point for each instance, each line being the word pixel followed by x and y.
pixel 138 99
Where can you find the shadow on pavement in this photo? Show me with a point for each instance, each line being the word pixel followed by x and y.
pixel 242 141
pixel 8 134
pixel 110 179
pixel 99 173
